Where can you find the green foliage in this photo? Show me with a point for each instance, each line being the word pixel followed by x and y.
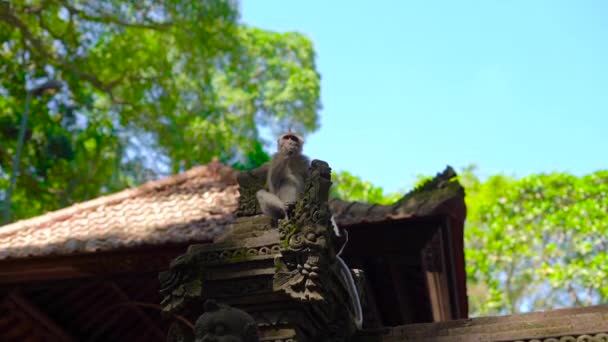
pixel 150 88
pixel 536 243
pixel 352 188
pixel 254 158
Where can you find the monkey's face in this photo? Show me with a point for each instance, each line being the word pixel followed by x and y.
pixel 290 144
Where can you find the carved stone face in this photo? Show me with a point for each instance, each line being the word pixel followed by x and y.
pixel 221 323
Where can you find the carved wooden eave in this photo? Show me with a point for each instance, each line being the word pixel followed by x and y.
pixel 286 277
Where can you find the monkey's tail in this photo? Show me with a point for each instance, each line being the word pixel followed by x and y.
pixel 347 277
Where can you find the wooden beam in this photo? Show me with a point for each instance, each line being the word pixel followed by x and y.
pixel 435 270
pixel 97 330
pixel 138 311
pixel 403 300
pixel 107 263
pixel 39 317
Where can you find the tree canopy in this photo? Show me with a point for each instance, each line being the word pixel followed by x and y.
pixel 150 88
pixel 534 243
pixel 538 242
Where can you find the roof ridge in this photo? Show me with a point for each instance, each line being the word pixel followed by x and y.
pixel 214 170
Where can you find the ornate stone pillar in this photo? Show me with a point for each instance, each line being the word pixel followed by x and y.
pixel 287 277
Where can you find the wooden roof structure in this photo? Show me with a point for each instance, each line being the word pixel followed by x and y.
pixel 89 272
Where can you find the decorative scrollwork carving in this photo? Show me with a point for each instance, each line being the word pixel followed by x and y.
pixel 308 229
pixel 246 287
pixel 304 238
pixel 601 337
pixel 300 279
pixel 183 281
pixel 249 183
pixel 178 332
pixel 179 284
pixel 307 268
pixel 221 322
pixel 237 254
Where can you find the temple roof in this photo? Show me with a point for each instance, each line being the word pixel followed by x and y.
pixel 195 206
pixel 428 199
pixel 192 206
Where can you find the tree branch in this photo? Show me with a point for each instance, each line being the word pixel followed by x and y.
pixel 589 295
pixel 106 18
pixel 33 9
pixel 42 52
pixel 573 295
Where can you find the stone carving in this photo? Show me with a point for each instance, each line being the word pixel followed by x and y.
pixel 288 274
pixel 299 278
pixel 179 332
pixel 307 269
pixel 222 323
pixel 183 282
pixel 247 287
pixel 180 284
pixel 236 254
pixel 249 183
pixel 305 251
pixel 601 337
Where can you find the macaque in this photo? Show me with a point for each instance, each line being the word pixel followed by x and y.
pixel 287 174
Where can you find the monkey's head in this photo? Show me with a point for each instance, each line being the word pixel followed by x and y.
pixel 290 143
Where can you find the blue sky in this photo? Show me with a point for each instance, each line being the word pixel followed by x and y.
pixel 409 87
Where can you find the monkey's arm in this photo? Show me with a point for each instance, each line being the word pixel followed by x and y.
pixel 277 171
pixel 270 204
pixel 301 167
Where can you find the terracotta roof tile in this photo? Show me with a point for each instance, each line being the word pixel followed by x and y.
pixel 193 206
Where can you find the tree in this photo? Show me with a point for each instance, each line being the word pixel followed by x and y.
pixel 150 88
pixel 537 242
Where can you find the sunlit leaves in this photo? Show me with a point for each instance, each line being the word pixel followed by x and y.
pixel 542 236
pixel 351 188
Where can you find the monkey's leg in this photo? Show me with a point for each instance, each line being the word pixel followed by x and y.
pixel 270 204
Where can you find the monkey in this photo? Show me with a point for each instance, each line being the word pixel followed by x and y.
pixel 287 173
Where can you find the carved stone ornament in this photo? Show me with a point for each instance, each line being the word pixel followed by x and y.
pixel 287 278
pixel 179 332
pixel 601 337
pixel 306 254
pixel 249 183
pixel 180 284
pixel 222 323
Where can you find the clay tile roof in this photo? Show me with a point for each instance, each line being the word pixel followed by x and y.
pixel 192 206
